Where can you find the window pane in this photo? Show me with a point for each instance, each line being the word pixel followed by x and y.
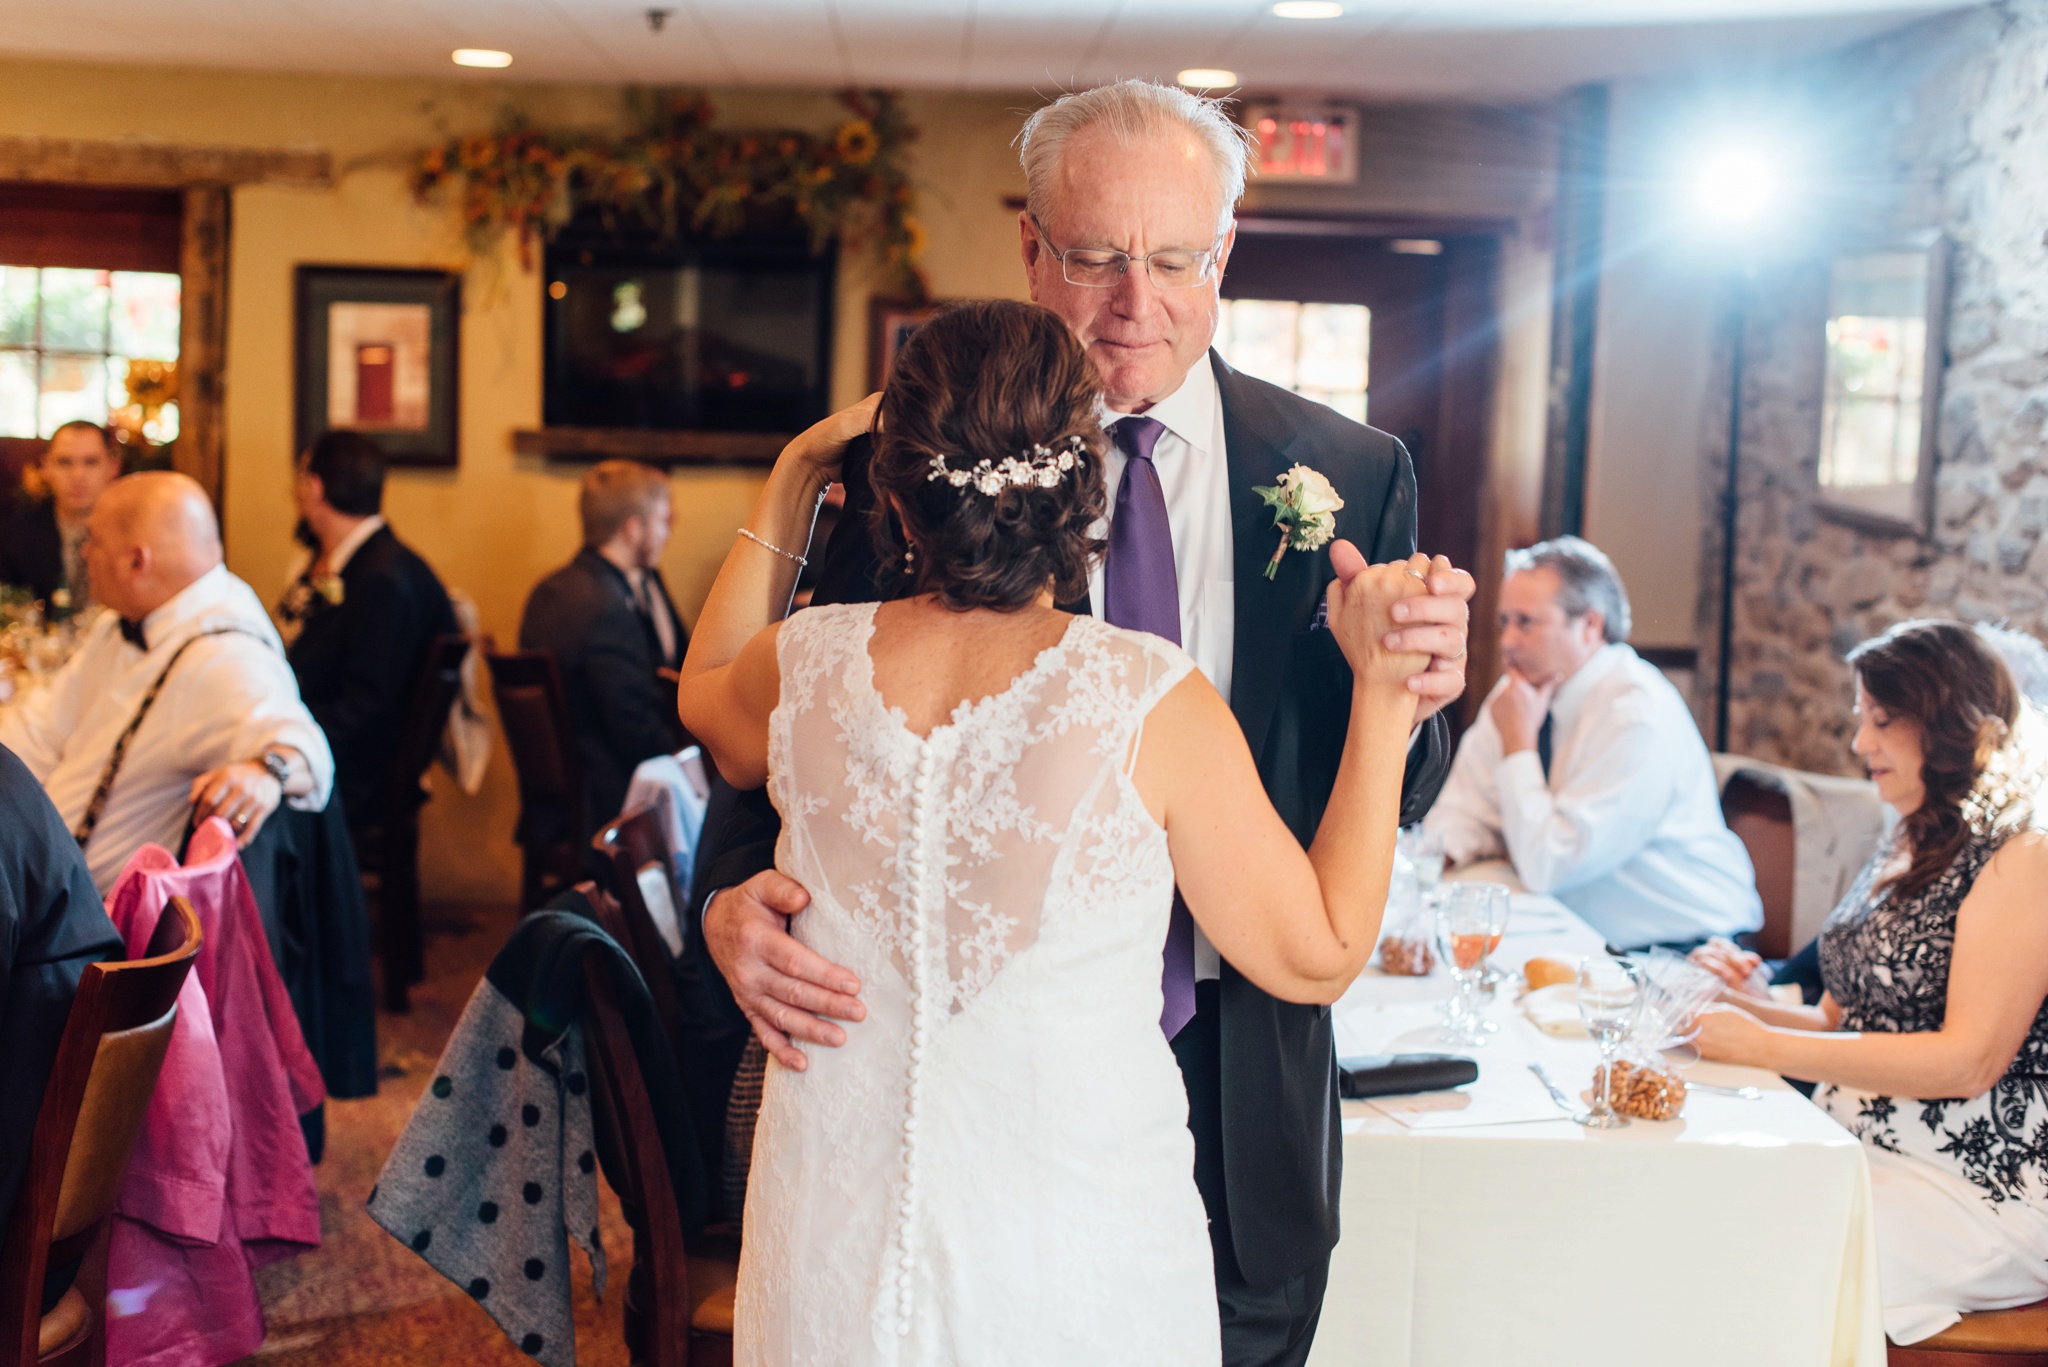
pixel 145 315
pixel 1262 338
pixel 73 387
pixel 75 310
pixel 17 393
pixel 1333 346
pixel 17 305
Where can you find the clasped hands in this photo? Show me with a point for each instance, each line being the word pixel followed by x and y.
pixel 792 995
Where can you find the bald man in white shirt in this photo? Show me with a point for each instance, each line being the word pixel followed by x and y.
pixel 1586 770
pixel 179 704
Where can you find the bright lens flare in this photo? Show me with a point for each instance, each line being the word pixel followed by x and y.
pixel 1207 78
pixel 1308 9
pixel 1735 186
pixel 481 56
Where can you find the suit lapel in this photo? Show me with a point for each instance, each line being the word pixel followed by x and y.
pixel 1259 448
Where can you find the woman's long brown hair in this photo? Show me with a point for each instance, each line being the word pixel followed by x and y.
pixel 1978 775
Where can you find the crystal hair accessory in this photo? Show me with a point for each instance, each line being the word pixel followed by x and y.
pixel 1038 465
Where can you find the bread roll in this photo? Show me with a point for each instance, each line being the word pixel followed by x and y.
pixel 1546 972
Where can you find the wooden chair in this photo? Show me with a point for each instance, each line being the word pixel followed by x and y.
pixel 630 844
pixel 679 1299
pixel 534 711
pixel 390 853
pixel 100 1085
pixel 1761 817
pixel 1990 1338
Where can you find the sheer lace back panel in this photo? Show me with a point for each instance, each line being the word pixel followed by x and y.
pixel 995 1168
pixel 1019 792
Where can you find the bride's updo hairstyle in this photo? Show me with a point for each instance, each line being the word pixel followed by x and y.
pixel 1004 383
pixel 1981 744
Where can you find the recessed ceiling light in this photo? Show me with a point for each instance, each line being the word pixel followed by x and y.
pixel 481 56
pixel 1308 9
pixel 1207 77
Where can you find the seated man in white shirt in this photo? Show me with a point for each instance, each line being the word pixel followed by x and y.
pixel 179 704
pixel 1586 771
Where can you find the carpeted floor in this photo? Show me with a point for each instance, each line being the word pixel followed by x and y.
pixel 363 1299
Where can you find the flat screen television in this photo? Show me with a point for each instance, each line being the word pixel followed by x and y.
pixel 701 335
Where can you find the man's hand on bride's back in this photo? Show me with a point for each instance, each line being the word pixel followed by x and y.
pixel 1361 600
pixel 786 990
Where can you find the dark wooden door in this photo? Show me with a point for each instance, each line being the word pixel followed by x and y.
pixel 1430 369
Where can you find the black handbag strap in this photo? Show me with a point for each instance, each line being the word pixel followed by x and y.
pixel 93 809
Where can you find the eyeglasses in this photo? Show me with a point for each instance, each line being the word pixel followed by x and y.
pixel 1101 268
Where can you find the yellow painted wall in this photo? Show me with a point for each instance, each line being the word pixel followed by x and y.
pixel 498 522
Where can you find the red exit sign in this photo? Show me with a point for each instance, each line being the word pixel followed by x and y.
pixel 1305 142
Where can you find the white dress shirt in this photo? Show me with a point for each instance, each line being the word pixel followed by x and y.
pixel 1627 830
pixel 353 542
pixel 1194 474
pixel 231 697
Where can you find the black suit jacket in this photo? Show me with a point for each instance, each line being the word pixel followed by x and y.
pixel 1291 693
pixel 621 709
pixel 358 663
pixel 32 550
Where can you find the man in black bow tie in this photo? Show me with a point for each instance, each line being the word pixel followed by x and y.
pixel 616 638
pixel 368 610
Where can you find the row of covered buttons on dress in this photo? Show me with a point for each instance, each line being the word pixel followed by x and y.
pixel 920 1033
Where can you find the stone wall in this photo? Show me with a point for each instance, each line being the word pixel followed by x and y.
pixel 1943 125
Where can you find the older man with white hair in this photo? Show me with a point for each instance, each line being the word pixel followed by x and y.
pixel 179 705
pixel 1129 223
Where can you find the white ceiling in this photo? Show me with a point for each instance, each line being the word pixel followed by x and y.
pixel 1489 49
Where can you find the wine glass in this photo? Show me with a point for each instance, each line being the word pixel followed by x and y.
pixel 1424 849
pixel 1467 924
pixel 1610 994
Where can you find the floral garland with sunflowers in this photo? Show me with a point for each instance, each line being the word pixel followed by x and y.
pixel 674 173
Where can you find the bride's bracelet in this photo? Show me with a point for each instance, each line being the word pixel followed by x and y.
pixel 786 555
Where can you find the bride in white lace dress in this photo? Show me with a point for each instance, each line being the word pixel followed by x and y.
pixel 990 801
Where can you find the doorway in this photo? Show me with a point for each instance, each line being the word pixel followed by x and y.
pixel 1399 331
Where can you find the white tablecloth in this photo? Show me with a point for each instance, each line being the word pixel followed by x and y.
pixel 1738 1233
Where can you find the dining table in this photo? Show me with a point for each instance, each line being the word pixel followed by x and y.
pixel 1483 1225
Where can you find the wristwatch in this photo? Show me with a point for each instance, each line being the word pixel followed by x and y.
pixel 277 766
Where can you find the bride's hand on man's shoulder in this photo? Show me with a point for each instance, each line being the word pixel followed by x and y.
pixel 818 448
pixel 1361 599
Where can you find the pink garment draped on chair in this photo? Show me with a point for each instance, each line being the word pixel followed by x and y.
pixel 220 1183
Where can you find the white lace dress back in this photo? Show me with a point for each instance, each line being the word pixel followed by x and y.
pixel 995 1168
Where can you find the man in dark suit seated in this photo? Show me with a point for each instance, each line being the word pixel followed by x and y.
pixel 368 611
pixel 51 926
pixel 41 545
pixel 616 639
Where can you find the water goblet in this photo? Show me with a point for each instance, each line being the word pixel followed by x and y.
pixel 1424 849
pixel 1610 994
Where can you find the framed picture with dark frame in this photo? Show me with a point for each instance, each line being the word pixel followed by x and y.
pixel 890 323
pixel 376 351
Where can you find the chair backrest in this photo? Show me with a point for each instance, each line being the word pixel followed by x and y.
pixel 636 1165
pixel 534 710
pixel 1761 818
pixel 100 1085
pixel 426 717
pixel 631 844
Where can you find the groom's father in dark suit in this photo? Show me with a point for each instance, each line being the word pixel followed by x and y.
pixel 1129 226
pixel 616 639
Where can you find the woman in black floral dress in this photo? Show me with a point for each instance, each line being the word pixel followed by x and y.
pixel 1931 1044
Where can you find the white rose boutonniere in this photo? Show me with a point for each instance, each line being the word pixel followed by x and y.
pixel 1304 509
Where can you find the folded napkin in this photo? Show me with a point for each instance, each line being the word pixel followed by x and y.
pixel 1555 1010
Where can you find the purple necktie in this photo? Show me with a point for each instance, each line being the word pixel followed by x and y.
pixel 1141 591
